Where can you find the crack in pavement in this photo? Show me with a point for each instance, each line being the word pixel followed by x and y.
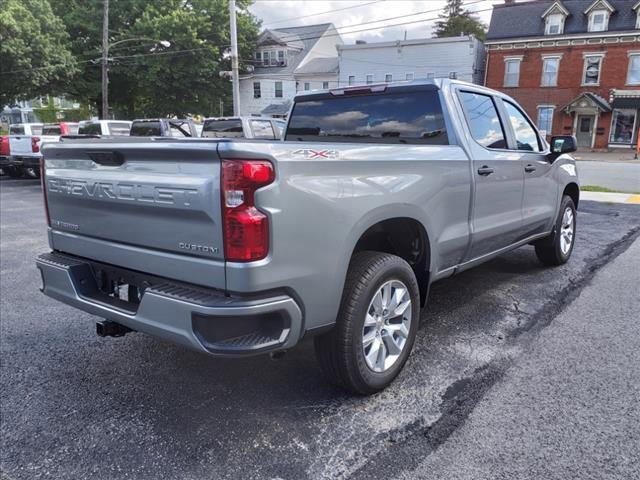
pixel 461 397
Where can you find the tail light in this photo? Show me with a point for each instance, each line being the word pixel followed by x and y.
pixel 35 144
pixel 43 184
pixel 4 145
pixel 246 229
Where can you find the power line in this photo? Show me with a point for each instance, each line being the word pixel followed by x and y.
pixel 323 13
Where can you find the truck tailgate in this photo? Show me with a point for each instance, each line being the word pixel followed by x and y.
pixel 149 205
pixel 20 145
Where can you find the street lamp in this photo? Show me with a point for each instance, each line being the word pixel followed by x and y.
pixel 105 55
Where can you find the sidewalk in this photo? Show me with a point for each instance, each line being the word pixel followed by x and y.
pixel 610 197
pixel 625 155
pixel 570 407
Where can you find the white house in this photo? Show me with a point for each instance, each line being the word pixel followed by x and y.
pixel 289 60
pixel 453 57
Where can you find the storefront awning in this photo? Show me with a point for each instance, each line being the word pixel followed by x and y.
pixel 626 102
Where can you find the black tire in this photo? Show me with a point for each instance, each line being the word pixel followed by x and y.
pixel 340 351
pixel 13 172
pixel 549 250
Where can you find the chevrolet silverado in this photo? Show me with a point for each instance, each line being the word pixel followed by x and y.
pixel 237 247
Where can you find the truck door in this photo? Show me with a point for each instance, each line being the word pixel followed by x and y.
pixel 540 189
pixel 498 176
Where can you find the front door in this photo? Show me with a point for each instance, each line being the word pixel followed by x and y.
pixel 584 132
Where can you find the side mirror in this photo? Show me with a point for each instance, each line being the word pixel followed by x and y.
pixel 563 144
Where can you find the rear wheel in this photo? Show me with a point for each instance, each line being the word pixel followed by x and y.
pixel 557 247
pixel 376 324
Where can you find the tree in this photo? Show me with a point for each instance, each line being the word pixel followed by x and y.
pixel 456 21
pixel 34 51
pixel 148 79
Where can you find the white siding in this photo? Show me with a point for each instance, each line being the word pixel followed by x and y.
pixel 421 58
pixel 316 81
pixel 253 106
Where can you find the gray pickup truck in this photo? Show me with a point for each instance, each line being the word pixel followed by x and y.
pixel 240 247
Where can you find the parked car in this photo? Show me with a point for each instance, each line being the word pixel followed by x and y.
pixel 104 127
pixel 242 127
pixel 163 127
pixel 236 247
pixel 24 144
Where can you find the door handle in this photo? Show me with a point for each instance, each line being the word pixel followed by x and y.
pixel 485 170
pixel 529 168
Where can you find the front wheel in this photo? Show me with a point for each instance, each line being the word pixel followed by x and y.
pixel 557 247
pixel 376 324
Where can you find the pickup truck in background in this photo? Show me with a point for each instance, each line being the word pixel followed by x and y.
pixel 163 127
pixel 105 128
pixel 243 127
pixel 24 145
pixel 240 247
pixel 51 132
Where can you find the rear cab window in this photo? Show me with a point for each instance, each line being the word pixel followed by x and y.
pixel 119 128
pixel 408 116
pixel 223 128
pixel 179 128
pixel 262 129
pixel 90 129
pixel 16 130
pixel 51 130
pixel 146 129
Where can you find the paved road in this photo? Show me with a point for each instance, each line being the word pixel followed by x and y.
pixel 570 406
pixel 77 406
pixel 624 177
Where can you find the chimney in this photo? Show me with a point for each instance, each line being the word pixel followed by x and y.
pixel 509 2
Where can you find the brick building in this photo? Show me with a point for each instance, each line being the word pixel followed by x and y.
pixel 574 65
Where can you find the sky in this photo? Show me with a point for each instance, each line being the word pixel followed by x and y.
pixel 381 18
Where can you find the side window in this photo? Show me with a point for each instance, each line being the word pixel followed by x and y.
pixel 526 136
pixel 483 119
pixel 262 129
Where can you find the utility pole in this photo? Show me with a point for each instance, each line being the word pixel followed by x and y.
pixel 235 78
pixel 105 59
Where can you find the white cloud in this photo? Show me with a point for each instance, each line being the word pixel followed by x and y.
pixel 286 13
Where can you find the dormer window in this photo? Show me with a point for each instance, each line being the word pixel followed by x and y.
pixel 598 21
pixel 271 58
pixel 636 7
pixel 598 14
pixel 554 18
pixel 555 24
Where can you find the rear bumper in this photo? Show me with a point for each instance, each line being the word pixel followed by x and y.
pixel 24 161
pixel 203 319
pixel 8 162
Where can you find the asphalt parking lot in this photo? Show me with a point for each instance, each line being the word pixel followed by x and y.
pixel 74 405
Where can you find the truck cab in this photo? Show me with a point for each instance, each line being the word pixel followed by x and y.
pixel 163 127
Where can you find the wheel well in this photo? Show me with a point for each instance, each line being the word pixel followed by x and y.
pixel 406 238
pixel 574 192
